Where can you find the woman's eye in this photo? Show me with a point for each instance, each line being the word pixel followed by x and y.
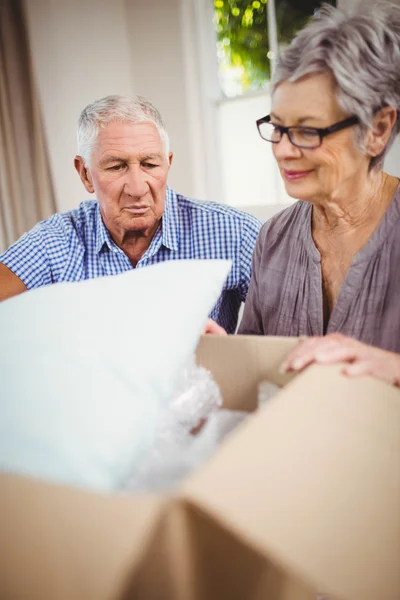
pixel 275 132
pixel 307 133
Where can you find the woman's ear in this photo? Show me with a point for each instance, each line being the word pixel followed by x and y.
pixel 379 133
pixel 84 173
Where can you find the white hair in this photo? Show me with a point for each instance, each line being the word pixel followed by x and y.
pixel 100 113
pixel 361 51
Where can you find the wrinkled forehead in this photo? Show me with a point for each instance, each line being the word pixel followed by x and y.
pixel 311 97
pixel 128 138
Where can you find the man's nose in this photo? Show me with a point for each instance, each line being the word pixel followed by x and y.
pixel 285 149
pixel 135 183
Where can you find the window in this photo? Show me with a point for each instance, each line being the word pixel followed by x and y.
pixel 249 35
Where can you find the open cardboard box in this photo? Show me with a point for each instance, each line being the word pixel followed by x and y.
pixel 304 496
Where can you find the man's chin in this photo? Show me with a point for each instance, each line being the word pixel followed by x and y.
pixel 136 224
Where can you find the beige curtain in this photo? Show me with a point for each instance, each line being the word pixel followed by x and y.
pixel 26 191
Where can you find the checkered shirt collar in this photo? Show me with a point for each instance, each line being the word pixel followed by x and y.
pixel 169 225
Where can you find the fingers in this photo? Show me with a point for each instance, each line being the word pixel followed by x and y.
pixel 360 367
pixel 378 363
pixel 213 327
pixel 361 359
pixel 335 354
pixel 327 350
pixel 371 367
pixel 297 358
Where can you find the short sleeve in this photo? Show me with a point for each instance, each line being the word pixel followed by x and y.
pixel 27 259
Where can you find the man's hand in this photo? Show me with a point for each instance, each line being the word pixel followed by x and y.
pixel 10 284
pixel 361 359
pixel 213 327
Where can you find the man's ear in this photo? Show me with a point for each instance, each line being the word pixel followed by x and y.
pixel 84 174
pixel 378 135
pixel 170 158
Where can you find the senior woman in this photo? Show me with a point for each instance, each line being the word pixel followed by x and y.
pixel 330 263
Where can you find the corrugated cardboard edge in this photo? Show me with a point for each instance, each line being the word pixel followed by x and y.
pixel 136 548
pixel 58 542
pixel 313 482
pixel 240 363
pixel 194 557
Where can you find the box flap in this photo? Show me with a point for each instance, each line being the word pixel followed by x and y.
pixel 62 543
pixel 313 483
pixel 193 557
pixel 304 496
pixel 239 363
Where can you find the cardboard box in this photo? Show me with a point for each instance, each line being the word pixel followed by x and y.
pixel 304 496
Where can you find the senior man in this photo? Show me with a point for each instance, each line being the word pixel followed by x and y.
pixel 136 219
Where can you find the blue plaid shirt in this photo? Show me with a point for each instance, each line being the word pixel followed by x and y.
pixel 76 245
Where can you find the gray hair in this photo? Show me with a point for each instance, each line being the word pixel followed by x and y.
pixel 116 108
pixel 361 51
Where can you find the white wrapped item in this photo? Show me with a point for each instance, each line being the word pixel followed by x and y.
pixel 224 421
pixel 196 397
pixel 266 390
pixel 176 452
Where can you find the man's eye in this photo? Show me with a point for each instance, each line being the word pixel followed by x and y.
pixel 115 167
pixel 149 165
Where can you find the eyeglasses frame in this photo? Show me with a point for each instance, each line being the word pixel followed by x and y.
pixel 321 132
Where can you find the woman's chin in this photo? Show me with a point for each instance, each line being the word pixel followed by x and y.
pixel 298 191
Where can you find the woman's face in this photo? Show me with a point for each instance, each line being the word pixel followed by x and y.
pixel 333 168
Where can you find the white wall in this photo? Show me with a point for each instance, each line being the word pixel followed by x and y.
pixel 80 52
pixel 163 49
pixel 175 66
pixel 85 49
pixel 157 55
pixel 249 171
pixel 392 162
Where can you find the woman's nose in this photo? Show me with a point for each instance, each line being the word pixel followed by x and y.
pixel 285 149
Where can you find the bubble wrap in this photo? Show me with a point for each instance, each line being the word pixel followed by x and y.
pixel 266 390
pixel 196 397
pixel 176 452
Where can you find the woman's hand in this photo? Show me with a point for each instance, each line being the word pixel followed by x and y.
pixel 334 348
pixel 213 327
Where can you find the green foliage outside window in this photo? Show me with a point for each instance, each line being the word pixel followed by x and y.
pixel 242 37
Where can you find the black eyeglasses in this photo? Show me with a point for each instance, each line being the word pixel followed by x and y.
pixel 302 137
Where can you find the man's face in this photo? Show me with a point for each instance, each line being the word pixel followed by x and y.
pixel 128 172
